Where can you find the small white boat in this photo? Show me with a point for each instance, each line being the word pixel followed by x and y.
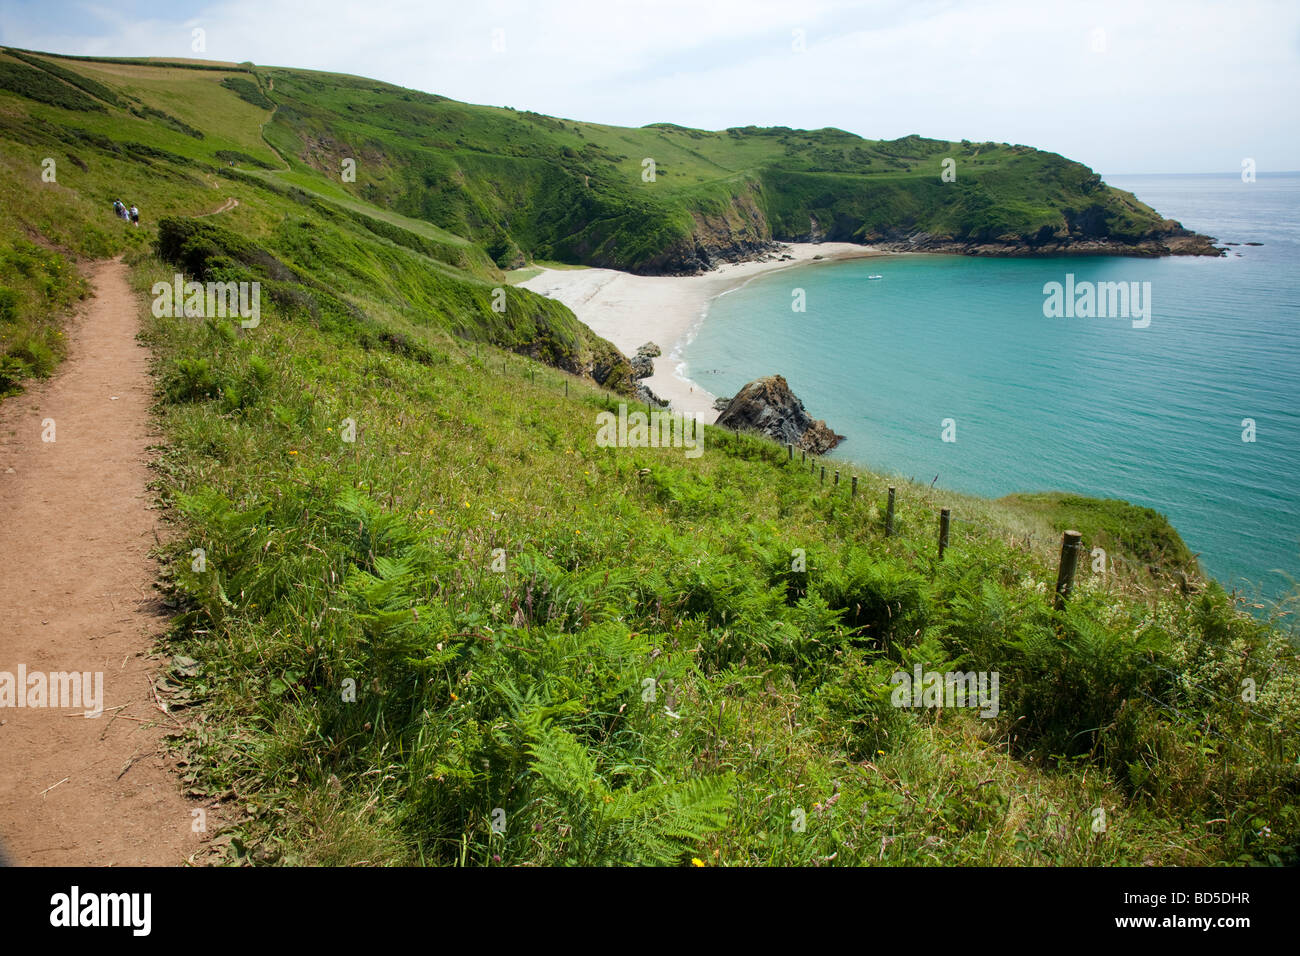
pixel 875 277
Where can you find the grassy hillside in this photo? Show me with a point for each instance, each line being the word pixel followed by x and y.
pixel 181 142
pixel 528 185
pixel 415 599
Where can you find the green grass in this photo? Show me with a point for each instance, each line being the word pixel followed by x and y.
pixel 1141 533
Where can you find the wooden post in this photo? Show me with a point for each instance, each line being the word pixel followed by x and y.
pixel 889 515
pixel 803 455
pixel 823 477
pixel 789 452
pixel 854 493
pixel 837 477
pixel 566 388
pixel 944 517
pixel 1070 542
pixel 534 371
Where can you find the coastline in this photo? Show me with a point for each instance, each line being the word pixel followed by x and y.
pixel 631 310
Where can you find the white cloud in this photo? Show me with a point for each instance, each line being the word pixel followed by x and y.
pixel 1178 86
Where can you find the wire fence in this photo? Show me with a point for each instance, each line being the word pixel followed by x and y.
pixel 1071 547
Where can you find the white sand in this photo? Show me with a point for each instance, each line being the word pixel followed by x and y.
pixel 631 310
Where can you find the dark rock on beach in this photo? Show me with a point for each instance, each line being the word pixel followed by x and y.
pixel 767 406
pixel 643 365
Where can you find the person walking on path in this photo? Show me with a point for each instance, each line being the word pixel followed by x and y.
pixel 135 216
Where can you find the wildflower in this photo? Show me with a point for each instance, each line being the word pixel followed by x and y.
pixel 292 452
pixel 454 697
pixel 696 861
pixel 881 752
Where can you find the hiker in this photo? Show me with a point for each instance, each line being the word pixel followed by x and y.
pixel 118 209
pixel 135 216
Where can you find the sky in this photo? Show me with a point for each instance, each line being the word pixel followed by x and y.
pixel 1134 86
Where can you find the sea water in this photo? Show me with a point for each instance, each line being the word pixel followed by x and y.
pixel 1154 411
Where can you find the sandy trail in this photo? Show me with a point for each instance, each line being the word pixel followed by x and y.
pixel 226 206
pixel 76 595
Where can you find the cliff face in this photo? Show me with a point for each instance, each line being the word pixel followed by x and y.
pixel 766 405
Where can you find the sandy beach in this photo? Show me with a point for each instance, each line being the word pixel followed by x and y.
pixel 631 310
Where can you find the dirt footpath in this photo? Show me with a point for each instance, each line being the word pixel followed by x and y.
pixel 76 595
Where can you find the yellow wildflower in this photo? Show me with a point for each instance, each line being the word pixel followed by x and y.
pixel 696 861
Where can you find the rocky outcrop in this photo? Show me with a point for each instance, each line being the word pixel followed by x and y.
pixel 643 365
pixel 1173 240
pixel 644 394
pixel 767 406
pixel 702 254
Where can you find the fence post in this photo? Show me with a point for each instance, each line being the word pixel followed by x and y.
pixel 803 456
pixel 1070 542
pixel 854 492
pixel 944 518
pixel 789 449
pixel 837 477
pixel 823 477
pixel 566 388
pixel 889 515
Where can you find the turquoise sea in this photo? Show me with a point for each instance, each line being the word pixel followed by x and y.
pixel 1091 405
